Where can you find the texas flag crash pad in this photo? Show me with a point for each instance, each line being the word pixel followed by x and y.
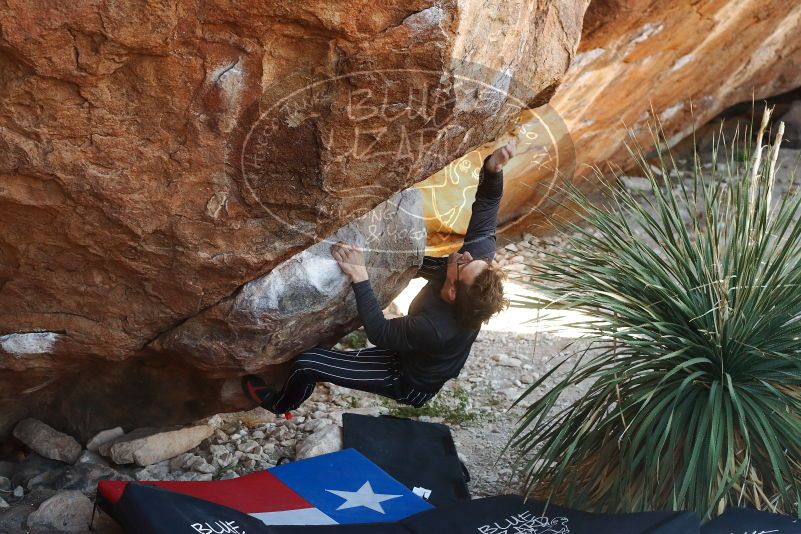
pixel 338 488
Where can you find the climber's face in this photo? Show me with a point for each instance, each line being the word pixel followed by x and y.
pixel 463 269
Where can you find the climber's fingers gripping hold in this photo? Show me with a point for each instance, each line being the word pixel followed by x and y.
pixel 350 260
pixel 336 252
pixel 503 154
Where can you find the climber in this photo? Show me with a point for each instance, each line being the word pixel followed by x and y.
pixel 416 354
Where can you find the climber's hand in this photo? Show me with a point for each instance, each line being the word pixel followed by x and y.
pixel 500 157
pixel 350 260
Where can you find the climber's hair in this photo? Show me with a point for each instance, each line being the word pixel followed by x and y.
pixel 477 302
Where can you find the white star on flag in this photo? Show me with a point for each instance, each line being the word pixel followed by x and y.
pixel 365 496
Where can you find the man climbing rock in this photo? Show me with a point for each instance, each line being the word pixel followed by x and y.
pixel 413 355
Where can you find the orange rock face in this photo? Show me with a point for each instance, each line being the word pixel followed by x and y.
pixel 155 156
pixel 686 61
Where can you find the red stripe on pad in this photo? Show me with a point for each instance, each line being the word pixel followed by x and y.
pixel 257 492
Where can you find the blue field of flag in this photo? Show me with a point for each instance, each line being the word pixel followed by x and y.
pixel 349 488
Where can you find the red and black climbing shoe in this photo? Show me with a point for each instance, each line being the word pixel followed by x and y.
pixel 257 390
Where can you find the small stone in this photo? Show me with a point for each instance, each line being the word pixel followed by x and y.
pixel 215 421
pixel 268 449
pixel 105 448
pixel 41 479
pixel 160 446
pixel 510 362
pixel 47 441
pixel 89 457
pixel 202 466
pixel 68 511
pixel 249 447
pixel 254 457
pixel 3 503
pixel 314 425
pixel 327 439
pixel 19 492
pixel 104 436
pixel 218 449
pixel 223 460
pixel 279 433
pixel 248 464
pixel 229 475
pixel 511 247
pixel 258 434
pixel 183 461
pixel 636 183
pixel 158 471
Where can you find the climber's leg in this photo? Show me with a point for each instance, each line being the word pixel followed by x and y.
pixel 373 370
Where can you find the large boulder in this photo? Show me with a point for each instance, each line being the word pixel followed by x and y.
pixel 301 302
pixel 156 156
pixel 682 60
pixel 306 299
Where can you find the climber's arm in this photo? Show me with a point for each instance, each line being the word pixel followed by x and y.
pixel 402 333
pixel 409 333
pixel 479 239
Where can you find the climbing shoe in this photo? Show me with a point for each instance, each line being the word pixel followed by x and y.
pixel 257 390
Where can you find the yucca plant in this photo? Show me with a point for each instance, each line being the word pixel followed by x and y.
pixel 694 360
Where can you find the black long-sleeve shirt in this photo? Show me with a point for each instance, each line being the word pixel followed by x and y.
pixel 432 345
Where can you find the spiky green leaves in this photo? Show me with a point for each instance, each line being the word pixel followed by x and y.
pixel 695 360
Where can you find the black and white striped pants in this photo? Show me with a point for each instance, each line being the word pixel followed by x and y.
pixel 373 370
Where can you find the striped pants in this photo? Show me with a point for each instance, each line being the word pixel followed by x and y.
pixel 373 370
